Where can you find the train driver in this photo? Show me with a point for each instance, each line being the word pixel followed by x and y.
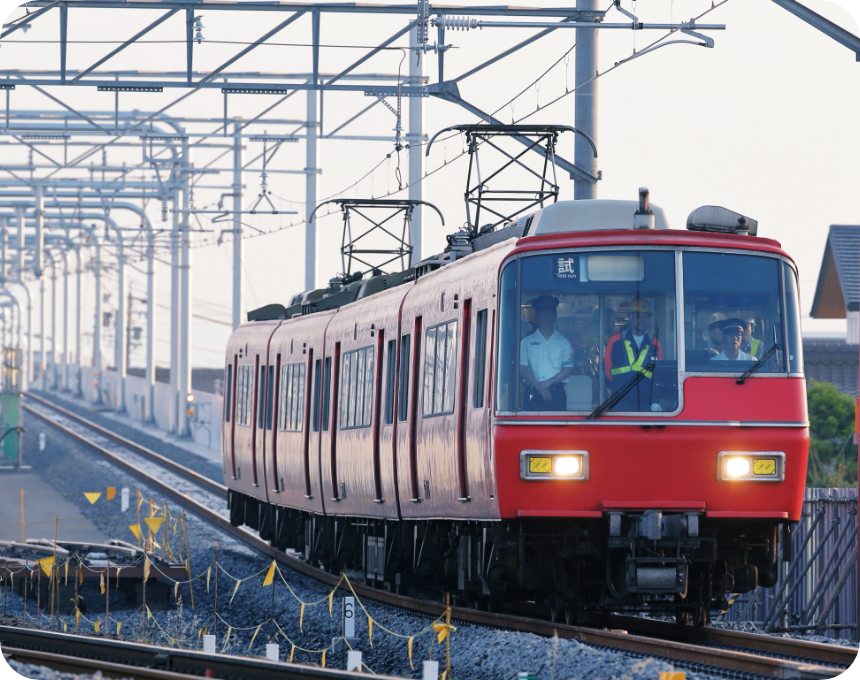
pixel 733 333
pixel 546 360
pixel 749 344
pixel 631 353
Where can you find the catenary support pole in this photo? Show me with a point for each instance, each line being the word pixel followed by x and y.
pixel 79 293
pixel 53 354
pixel 185 289
pixel 174 316
pixel 415 139
pixel 42 333
pixel 119 335
pixel 311 191
pixel 65 355
pixel 237 225
pixel 585 103
pixel 149 410
pixel 97 326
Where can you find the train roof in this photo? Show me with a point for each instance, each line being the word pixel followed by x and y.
pixel 597 222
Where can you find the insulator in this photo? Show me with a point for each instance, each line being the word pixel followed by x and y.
pixel 457 23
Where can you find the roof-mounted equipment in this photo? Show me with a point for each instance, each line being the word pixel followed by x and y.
pixel 721 220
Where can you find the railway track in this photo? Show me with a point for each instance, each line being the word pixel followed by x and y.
pixel 123 659
pixel 707 650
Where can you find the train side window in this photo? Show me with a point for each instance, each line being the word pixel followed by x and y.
pixel 291 397
pixel 389 381
pixel 244 390
pixel 270 391
pixel 261 404
pixel 356 388
pixel 326 404
pixel 316 394
pixel 480 358
pixel 440 368
pixel 228 401
pixel 403 380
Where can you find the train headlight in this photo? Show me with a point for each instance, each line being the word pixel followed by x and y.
pixel 737 467
pixel 548 465
pixel 566 466
pixel 752 466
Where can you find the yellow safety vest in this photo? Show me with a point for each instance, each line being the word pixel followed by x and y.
pixel 754 347
pixel 634 365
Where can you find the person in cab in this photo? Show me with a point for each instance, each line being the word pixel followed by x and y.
pixel 749 344
pixel 546 359
pixel 733 333
pixel 632 353
pixel 715 332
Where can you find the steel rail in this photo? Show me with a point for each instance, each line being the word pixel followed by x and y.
pixel 123 659
pixel 688 652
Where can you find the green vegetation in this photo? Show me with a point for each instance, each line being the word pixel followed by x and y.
pixel 832 453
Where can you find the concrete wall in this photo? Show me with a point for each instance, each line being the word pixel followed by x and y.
pixel 205 424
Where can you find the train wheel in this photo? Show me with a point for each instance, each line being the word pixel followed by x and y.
pixel 701 618
pixel 572 616
pixel 682 616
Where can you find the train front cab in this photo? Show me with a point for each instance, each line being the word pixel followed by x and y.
pixel 671 495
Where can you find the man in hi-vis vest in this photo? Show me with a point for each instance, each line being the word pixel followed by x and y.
pixel 749 344
pixel 632 354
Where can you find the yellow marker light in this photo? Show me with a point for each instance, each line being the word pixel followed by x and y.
pixel 540 465
pixel 766 466
pixel 566 466
pixel 737 467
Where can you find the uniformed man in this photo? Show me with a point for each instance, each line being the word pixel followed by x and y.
pixel 631 354
pixel 715 331
pixel 749 344
pixel 733 333
pixel 546 360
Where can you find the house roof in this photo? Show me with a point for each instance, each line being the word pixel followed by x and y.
pixel 838 287
pixel 832 361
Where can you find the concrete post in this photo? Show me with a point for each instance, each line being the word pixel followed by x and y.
pixel 65 355
pixel 42 333
pixel 237 225
pixel 97 329
pixel 149 414
pixel 585 103
pixel 3 225
pixel 415 139
pixel 39 216
pixel 173 420
pixel 119 336
pixel 311 191
pixel 185 289
pixel 79 292
pixel 53 354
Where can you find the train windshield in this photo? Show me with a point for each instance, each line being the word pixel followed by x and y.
pixel 581 331
pixel 733 314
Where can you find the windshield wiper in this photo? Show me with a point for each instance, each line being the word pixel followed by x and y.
pixel 619 395
pixel 758 364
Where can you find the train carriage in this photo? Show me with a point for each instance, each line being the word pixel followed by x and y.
pixel 393 424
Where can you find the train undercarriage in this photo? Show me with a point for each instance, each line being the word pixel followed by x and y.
pixel 678 563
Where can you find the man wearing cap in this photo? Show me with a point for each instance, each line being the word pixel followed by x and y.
pixel 546 360
pixel 733 333
pixel 632 353
pixel 748 343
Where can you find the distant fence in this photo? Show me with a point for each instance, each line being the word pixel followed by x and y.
pixel 817 589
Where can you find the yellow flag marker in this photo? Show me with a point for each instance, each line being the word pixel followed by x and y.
pixel 118 627
pixel 148 613
pixel 672 675
pixel 330 598
pixel 67 571
pixel 65 627
pixel 111 493
pixel 227 639
pixel 176 591
pixel 292 651
pixel 409 643
pixel 93 497
pixel 235 590
pixel 77 619
pixel 254 636
pixel 118 569
pixel 443 630
pixel 98 625
pixel 46 565
pixel 135 529
pixel 208 574
pixel 102 582
pixel 270 575
pixel 323 659
pixel 154 523
pixel 301 616
pixel 370 630
pixel 80 575
pixel 146 567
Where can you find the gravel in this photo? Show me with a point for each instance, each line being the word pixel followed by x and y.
pixel 477 652
pixel 42 673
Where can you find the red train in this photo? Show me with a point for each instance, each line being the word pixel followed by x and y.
pixel 584 408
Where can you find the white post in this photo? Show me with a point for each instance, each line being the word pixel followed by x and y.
pixel 273 651
pixel 173 425
pixel 430 671
pixel 585 103
pixel 185 291
pixel 79 292
pixel 39 216
pixel 353 661
pixel 209 644
pixel 97 329
pixel 65 355
pixel 237 225
pixel 415 139
pixel 311 190
pixel 150 328
pixel 42 333
pixel 54 321
pixel 119 338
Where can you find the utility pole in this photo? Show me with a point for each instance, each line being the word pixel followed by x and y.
pixel 585 103
pixel 237 225
pixel 415 139
pixel 311 185
pixel 128 329
pixel 185 291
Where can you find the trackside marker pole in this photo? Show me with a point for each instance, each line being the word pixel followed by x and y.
pixel 430 671
pixel 209 645
pixel 124 500
pixel 273 650
pixel 353 661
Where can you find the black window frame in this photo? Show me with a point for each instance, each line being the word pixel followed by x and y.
pixel 480 363
pixel 326 404
pixel 270 396
pixel 261 395
pixel 449 377
pixel 403 378
pixel 390 380
pixel 228 393
pixel 355 400
pixel 316 394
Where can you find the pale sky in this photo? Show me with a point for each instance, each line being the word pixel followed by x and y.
pixel 765 123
